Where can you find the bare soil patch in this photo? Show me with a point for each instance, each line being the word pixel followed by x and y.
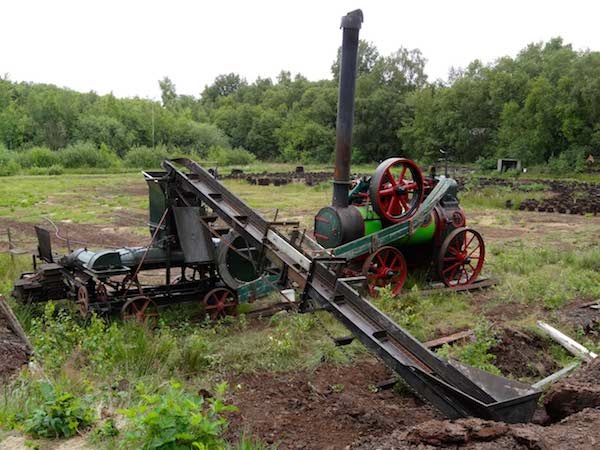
pixel 96 236
pixel 522 354
pixel 328 408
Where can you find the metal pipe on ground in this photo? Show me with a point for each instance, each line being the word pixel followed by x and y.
pixel 351 24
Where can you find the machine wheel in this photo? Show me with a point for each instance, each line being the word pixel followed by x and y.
pixel 101 293
pixel 396 189
pixel 140 308
pixel 461 257
pixel 385 267
pixel 83 301
pixel 220 302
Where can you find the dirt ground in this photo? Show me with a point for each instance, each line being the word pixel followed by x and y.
pixel 328 408
pixel 571 416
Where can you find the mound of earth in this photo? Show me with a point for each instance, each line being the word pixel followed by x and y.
pixel 14 352
pixel 573 407
pixel 579 431
pixel 579 391
pixel 522 354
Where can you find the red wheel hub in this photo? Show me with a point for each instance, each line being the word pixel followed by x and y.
pixel 461 257
pixel 386 266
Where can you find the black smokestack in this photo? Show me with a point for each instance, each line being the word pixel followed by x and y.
pixel 351 23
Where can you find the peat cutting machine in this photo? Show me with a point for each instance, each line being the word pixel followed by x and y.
pixel 225 253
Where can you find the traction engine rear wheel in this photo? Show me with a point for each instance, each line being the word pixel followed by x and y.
pixel 140 308
pixel 220 302
pixel 396 189
pixel 386 266
pixel 461 257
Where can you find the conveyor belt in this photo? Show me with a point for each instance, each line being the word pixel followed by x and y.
pixel 455 389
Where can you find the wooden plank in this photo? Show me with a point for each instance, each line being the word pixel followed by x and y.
pixel 478 284
pixel 435 343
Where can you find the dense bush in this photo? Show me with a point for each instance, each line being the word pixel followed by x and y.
pixel 38 157
pixel 146 157
pixel 230 156
pixel 86 154
pixel 8 163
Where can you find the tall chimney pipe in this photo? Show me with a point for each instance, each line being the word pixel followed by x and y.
pixel 351 24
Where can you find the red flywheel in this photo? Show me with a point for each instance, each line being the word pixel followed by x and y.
pixel 396 189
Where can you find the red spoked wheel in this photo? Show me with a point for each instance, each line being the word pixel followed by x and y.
pixel 385 267
pixel 396 189
pixel 220 302
pixel 140 308
pixel 83 301
pixel 461 257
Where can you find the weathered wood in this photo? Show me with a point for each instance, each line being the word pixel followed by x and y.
pixel 478 284
pixel 13 323
pixel 571 345
pixel 435 343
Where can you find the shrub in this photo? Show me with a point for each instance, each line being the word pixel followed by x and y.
pixel 60 414
pixel 175 419
pixel 476 353
pixel 86 154
pixel 146 157
pixel 38 157
pixel 8 163
pixel 230 156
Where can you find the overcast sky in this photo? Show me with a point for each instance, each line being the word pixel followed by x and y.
pixel 125 46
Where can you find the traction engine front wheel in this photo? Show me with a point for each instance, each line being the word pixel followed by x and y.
pixel 461 257
pixel 384 267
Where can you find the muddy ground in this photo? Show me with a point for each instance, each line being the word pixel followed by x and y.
pixel 328 408
pixel 337 408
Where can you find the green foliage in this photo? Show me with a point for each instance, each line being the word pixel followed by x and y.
pixel 476 353
pixel 146 157
pixel 38 157
pixel 8 163
pixel 175 419
pixel 60 414
pixel 86 154
pixel 230 156
pixel 108 429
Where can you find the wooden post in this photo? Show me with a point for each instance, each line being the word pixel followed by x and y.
pixel 10 246
pixel 13 323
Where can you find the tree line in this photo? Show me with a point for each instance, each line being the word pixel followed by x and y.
pixel 541 106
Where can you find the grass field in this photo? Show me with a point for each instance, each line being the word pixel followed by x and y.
pixel 546 264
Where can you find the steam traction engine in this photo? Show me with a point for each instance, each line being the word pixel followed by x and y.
pixel 393 195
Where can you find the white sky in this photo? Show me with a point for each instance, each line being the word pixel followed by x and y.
pixel 125 46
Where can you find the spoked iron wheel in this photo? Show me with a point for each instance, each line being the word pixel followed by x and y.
pixel 461 257
pixel 396 189
pixel 385 267
pixel 83 301
pixel 139 308
pixel 220 302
